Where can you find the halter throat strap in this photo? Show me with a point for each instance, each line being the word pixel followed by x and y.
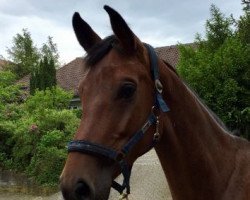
pixel 98 150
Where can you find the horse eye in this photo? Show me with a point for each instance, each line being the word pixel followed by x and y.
pixel 127 91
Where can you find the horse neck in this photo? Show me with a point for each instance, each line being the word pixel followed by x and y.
pixel 196 154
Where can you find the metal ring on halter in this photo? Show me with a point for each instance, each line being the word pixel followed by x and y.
pixel 155 111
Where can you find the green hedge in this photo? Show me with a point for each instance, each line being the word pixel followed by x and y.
pixel 35 131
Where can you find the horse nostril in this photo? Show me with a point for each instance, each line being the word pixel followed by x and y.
pixel 82 190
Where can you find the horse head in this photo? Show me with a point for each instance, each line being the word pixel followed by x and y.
pixel 120 113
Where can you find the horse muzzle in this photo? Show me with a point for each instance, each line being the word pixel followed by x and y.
pixel 85 178
pixel 80 190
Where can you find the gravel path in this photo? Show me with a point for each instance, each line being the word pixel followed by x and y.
pixel 147 183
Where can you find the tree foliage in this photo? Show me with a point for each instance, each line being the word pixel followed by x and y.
pixel 218 68
pixel 50 51
pixel 243 24
pixel 43 76
pixel 10 98
pixel 25 56
pixel 9 92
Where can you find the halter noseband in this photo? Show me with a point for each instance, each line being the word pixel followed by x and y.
pixel 94 149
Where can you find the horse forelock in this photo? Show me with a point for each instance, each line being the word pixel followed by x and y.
pixel 98 51
pixel 101 49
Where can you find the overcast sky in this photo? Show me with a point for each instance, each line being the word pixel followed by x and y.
pixel 157 22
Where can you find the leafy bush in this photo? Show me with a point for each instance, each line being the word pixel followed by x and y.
pixel 46 164
pixel 24 143
pixel 9 93
pixel 55 98
pixel 33 134
pixel 10 96
pixel 6 78
pixel 6 132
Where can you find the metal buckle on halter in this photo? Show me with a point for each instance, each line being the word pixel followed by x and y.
pixel 123 196
pixel 158 86
pixel 157 136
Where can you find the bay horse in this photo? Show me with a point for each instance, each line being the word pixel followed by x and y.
pixel 133 101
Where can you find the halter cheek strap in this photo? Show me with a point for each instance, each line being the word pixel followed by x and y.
pixel 160 103
pixel 98 150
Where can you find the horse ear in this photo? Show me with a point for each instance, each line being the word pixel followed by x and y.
pixel 84 33
pixel 122 31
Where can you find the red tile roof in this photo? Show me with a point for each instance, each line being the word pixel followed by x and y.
pixel 168 53
pixel 69 76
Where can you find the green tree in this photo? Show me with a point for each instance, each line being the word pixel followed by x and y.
pixel 23 54
pixel 243 24
pixel 218 28
pixel 43 76
pixel 246 4
pixel 218 69
pixel 50 51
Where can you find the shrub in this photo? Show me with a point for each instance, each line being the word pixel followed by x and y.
pixel 33 134
pixel 47 163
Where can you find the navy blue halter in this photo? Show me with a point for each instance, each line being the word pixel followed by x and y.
pixel 94 149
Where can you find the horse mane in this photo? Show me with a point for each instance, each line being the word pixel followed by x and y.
pixel 213 115
pixel 217 119
pixel 98 51
pixel 171 67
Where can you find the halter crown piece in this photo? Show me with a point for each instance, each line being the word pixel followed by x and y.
pixel 94 149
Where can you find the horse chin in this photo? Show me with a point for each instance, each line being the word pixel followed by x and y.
pixel 102 194
pixel 102 189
